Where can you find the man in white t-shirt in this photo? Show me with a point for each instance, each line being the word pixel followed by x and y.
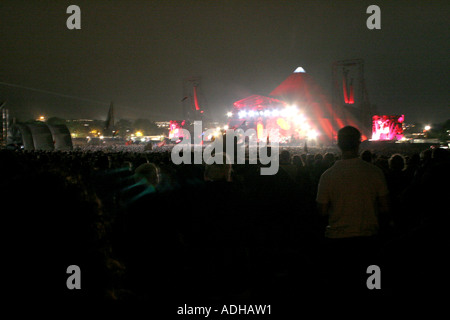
pixel 352 193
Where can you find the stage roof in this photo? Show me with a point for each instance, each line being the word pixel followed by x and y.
pixel 297 86
pixel 259 102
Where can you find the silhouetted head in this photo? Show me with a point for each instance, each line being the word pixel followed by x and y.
pixel 349 139
pixel 425 156
pixel 148 172
pixel 297 160
pixel 414 160
pixel 285 157
pixel 328 159
pixel 318 157
pixel 218 172
pixel 396 162
pixel 366 155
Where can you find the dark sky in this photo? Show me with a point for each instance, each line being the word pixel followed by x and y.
pixel 137 53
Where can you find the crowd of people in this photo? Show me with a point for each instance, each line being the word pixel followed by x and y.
pixel 139 226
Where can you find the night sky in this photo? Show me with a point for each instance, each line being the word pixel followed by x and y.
pixel 137 53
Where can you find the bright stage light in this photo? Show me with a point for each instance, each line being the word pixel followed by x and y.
pixel 306 127
pixel 242 114
pixel 312 134
pixel 427 127
pixel 283 124
pixel 259 131
pixel 251 113
pixel 229 114
pixel 289 111
pixel 275 113
pixel 299 119
pixel 267 113
pixel 225 128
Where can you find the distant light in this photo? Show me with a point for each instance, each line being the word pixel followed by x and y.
pixel 225 128
pixel 299 70
pixel 427 127
pixel 139 134
pixel 229 114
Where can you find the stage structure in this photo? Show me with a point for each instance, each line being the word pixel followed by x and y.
pixel 387 127
pixel 192 103
pixel 40 136
pixel 300 110
pixel 4 112
pixel 350 97
pixel 109 128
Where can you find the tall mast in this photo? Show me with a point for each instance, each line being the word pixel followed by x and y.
pixel 109 124
pixel 192 106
